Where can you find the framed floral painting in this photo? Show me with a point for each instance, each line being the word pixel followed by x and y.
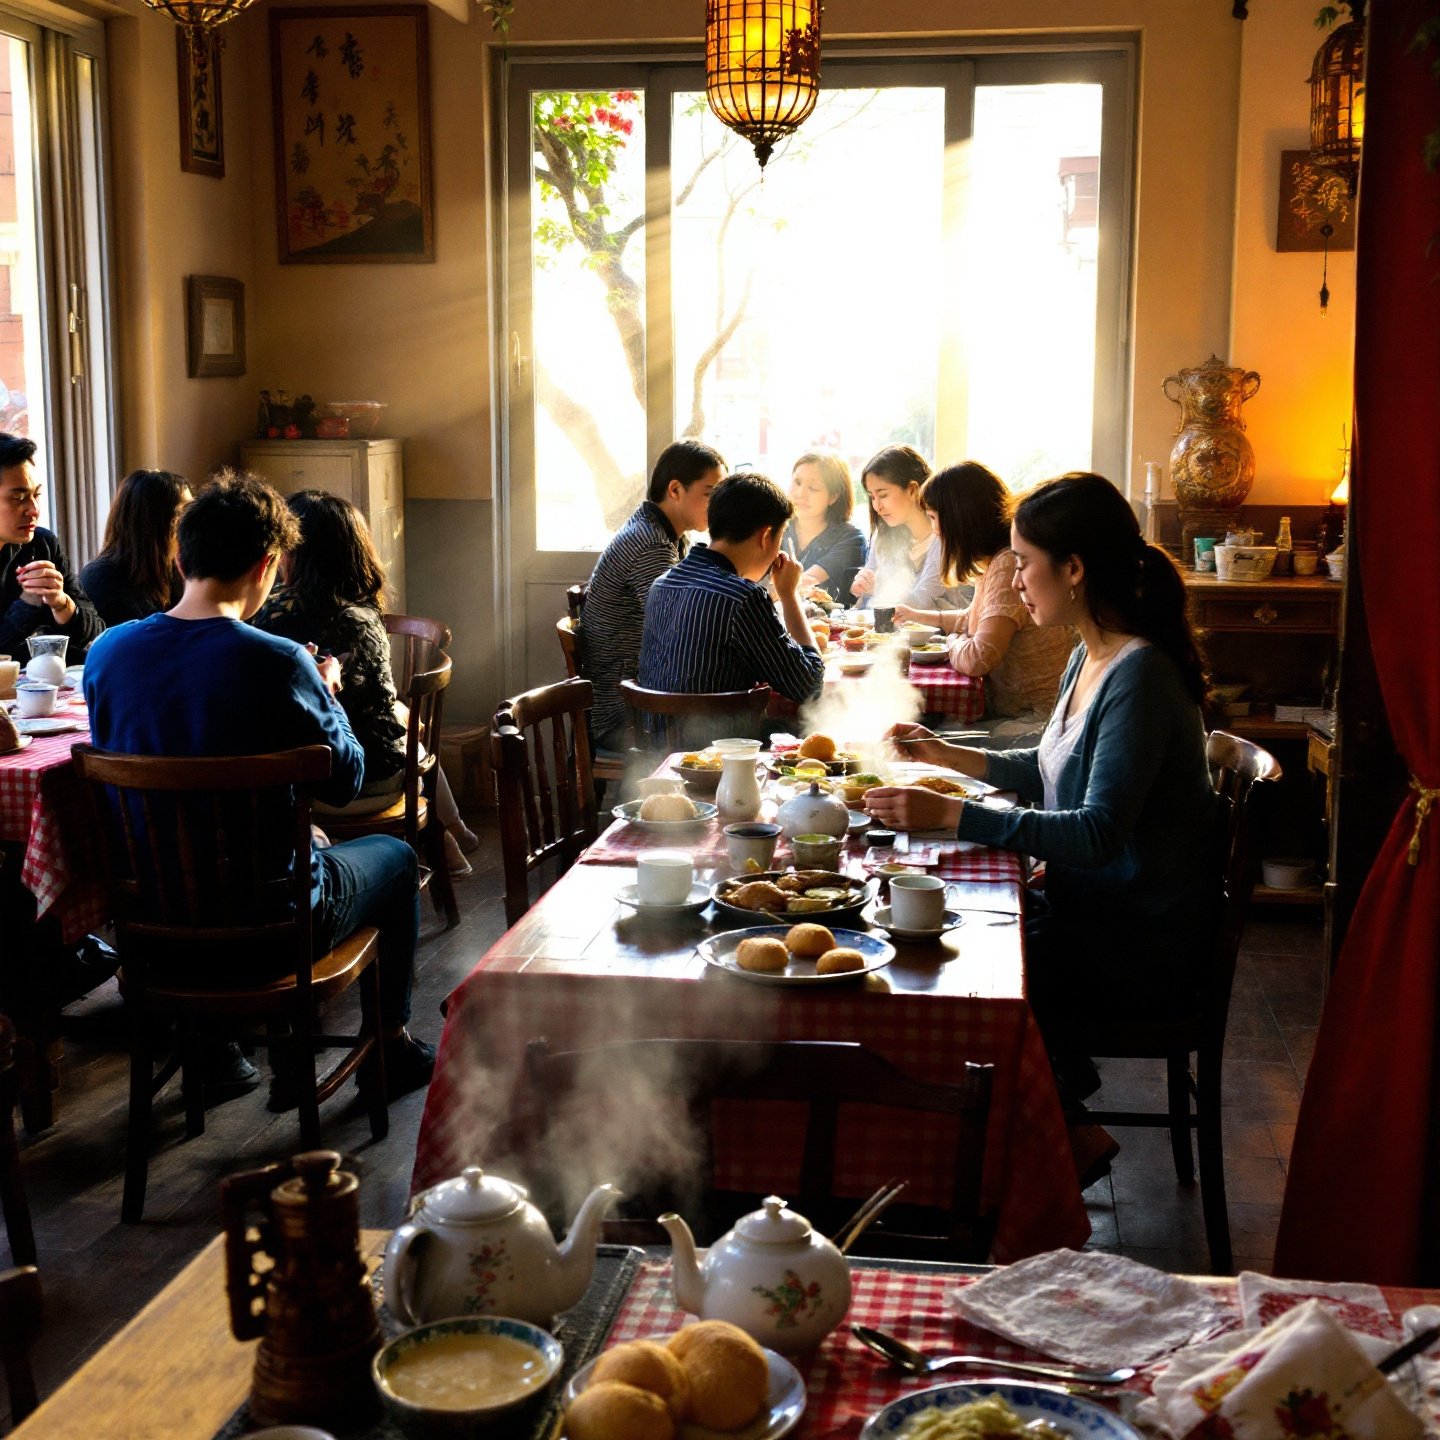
pixel 352 135
pixel 202 133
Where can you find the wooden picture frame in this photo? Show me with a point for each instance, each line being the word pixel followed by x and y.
pixel 202 116
pixel 1310 197
pixel 215 328
pixel 352 135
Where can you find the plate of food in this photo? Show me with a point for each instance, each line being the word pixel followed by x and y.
pixel 701 770
pixel 666 814
pixel 817 750
pixel 706 1376
pixel 803 954
pixel 798 894
pixel 995 1408
pixel 932 654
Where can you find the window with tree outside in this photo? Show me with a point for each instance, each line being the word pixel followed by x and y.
pixel 920 263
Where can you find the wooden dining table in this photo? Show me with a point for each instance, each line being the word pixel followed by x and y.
pixel 580 970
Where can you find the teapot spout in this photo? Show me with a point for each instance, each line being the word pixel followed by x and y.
pixel 684 1265
pixel 577 1254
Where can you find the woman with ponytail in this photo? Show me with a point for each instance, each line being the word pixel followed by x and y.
pixel 1119 782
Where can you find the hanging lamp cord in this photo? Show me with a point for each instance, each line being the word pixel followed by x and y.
pixel 1429 798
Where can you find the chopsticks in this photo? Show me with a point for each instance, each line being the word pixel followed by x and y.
pixel 939 735
pixel 1411 1348
pixel 868 1213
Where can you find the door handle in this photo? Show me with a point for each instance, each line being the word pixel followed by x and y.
pixel 519 361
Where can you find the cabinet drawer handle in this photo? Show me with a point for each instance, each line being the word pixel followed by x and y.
pixel 1267 614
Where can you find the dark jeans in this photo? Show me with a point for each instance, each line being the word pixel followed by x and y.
pixel 374 881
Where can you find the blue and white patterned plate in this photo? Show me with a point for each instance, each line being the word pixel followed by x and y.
pixel 1076 1416
pixel 719 951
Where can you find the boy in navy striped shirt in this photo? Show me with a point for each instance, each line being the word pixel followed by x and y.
pixel 710 623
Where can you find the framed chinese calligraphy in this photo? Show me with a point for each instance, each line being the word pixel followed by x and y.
pixel 1309 198
pixel 202 133
pixel 352 134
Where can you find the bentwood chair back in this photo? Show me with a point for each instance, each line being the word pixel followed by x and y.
pixel 660 1092
pixel 207 863
pixel 12 1180
pixel 415 642
pixel 1237 768
pixel 665 721
pixel 540 752
pixel 412 816
pixel 20 1307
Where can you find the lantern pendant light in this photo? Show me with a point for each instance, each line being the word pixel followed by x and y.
pixel 1337 98
pixel 198 18
pixel 762 66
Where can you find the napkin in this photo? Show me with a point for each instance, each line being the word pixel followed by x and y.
pixel 1089 1307
pixel 1361 1309
pixel 1302 1375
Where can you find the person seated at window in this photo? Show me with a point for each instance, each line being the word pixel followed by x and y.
pixel 829 548
pixel 902 565
pixel 38 594
pixel 134 574
pixel 329 598
pixel 1120 785
pixel 653 539
pixel 196 680
pixel 710 624
pixel 994 636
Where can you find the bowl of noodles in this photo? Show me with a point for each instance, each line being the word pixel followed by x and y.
pixel 993 1409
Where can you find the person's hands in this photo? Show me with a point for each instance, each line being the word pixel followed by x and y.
pixel 329 669
pixel 912 807
pixel 916 743
pixel 785 575
pixel 906 612
pixel 864 583
pixel 42 584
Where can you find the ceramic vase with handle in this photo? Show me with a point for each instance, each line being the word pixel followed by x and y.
pixel 1212 462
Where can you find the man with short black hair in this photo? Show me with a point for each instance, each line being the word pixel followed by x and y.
pixel 710 624
pixel 196 680
pixel 652 540
pixel 38 594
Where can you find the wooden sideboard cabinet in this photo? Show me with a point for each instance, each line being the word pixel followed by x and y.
pixel 368 473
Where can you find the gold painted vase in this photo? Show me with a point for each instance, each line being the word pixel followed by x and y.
pixel 1212 463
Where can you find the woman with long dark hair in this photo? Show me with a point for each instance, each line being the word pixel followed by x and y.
pixel 135 575
pixel 829 548
pixel 332 598
pixel 902 564
pixel 1119 783
pixel 994 636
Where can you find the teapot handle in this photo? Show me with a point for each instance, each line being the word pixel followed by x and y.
pixel 400 1273
pixel 243 1206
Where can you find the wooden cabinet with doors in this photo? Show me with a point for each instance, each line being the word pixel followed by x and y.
pixel 368 473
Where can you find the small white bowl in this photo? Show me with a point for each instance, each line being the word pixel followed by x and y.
pixel 1244 562
pixel 917 635
pixel 1287 872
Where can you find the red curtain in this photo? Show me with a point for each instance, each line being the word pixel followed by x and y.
pixel 1357 1182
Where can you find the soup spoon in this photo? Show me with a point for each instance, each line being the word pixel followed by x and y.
pixel 903 1357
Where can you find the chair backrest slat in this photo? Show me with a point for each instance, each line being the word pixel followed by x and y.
pixel 672 721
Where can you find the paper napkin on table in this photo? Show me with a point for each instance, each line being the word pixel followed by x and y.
pixel 1361 1309
pixel 1089 1308
pixel 1304 1374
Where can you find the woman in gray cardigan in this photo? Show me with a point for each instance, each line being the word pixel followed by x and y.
pixel 1119 787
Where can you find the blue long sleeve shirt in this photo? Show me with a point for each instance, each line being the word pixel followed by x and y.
pixel 1131 831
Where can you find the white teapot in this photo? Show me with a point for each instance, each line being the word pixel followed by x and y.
pixel 813 812
pixel 474 1245
pixel 772 1275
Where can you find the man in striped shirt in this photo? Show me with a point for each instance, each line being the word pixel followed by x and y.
pixel 710 623
pixel 650 542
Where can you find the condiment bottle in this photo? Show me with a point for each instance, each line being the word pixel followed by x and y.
pixel 1284 560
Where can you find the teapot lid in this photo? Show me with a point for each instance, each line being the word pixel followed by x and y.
pixel 774 1224
pixel 473 1195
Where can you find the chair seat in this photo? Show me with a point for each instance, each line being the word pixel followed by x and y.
pixel 331 973
pixel 389 821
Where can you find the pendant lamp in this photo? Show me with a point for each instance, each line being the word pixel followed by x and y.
pixel 1337 98
pixel 197 18
pixel 762 66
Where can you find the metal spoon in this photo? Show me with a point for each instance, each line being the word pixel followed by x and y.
pixel 903 1357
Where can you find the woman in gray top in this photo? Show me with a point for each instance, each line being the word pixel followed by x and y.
pixel 1120 785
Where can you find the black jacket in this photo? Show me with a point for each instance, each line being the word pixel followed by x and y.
pixel 19 619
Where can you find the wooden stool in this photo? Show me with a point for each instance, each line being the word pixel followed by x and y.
pixel 470 746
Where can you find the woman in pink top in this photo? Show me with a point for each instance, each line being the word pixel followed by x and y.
pixel 994 636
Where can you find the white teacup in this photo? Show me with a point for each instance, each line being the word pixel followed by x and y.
pixel 35 699
pixel 664 877
pixel 917 902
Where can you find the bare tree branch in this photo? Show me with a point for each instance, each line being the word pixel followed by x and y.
pixel 617 492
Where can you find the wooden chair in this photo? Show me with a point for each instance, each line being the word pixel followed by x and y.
pixel 12 1182
pixel 674 721
pixel 822 1075
pixel 410 817
pixel 540 751
pixel 569 645
pixel 415 642
pixel 575 598
pixel 606 769
pixel 20 1306
pixel 213 925
pixel 1236 767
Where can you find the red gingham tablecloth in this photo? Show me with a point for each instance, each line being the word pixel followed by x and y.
pixel 943 691
pixel 43 808
pixel 846 1384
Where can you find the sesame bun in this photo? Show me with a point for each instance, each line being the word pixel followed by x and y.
pixel 809 940
pixel 728 1374
pixel 836 962
pixel 648 1366
pixel 816 747
pixel 761 952
pixel 611 1410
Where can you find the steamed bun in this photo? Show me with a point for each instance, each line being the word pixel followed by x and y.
pixel 668 807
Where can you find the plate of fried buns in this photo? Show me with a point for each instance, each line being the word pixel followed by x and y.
pixel 794 894
pixel 708 1381
pixel 803 954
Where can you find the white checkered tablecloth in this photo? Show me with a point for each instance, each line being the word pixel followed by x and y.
pixel 42 807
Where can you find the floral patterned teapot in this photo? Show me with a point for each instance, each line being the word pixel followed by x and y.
pixel 476 1246
pixel 772 1275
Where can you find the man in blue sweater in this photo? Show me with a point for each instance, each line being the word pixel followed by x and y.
pixel 197 680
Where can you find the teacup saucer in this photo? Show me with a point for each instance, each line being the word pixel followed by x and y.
pixel 881 917
pixel 695 902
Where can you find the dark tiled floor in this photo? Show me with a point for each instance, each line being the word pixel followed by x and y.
pixel 1140 1209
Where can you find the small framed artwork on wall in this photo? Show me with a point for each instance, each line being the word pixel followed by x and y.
pixel 1311 198
pixel 351 90
pixel 202 126
pixel 215 333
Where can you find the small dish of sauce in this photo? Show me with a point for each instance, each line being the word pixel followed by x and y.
pixel 466 1372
